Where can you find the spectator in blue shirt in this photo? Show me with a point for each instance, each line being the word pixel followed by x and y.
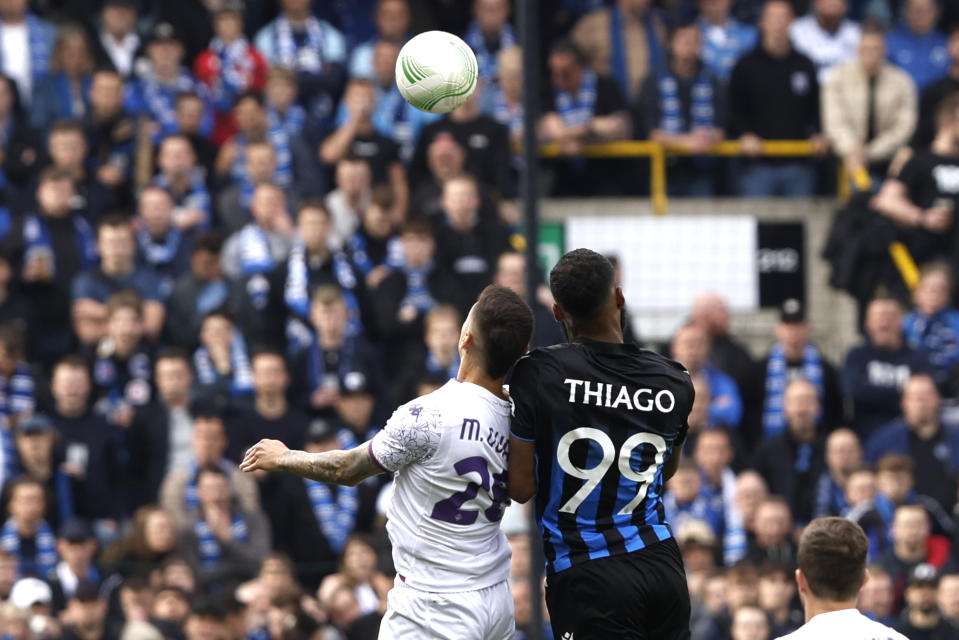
pixel 161 245
pixel 917 45
pixel 117 271
pixel 392 25
pixel 63 92
pixel 725 39
pixel 690 348
pixel 933 326
pixel 685 502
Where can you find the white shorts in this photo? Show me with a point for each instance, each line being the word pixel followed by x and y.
pixel 484 614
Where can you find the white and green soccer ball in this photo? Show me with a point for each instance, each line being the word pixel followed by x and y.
pixel 436 72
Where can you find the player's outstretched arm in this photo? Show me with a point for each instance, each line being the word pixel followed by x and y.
pixel 339 467
pixel 522 470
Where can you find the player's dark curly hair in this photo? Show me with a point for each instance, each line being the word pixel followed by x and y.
pixel 504 325
pixel 581 282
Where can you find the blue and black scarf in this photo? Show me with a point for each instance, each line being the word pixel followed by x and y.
pixel 46 558
pixel 774 418
pixel 36 238
pixel 485 59
pixel 242 381
pixel 196 197
pixel 297 291
pixel 210 552
pixel 702 114
pixel 336 517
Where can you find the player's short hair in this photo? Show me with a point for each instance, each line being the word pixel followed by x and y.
pixel 832 556
pixel 581 283
pixel 504 323
pixel 126 299
pixel 13 341
pixel 895 463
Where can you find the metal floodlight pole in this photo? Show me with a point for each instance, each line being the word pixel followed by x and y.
pixel 529 28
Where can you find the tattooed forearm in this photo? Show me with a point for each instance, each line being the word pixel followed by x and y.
pixel 338 467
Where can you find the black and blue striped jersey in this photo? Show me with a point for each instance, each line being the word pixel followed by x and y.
pixel 604 418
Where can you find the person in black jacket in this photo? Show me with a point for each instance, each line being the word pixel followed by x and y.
pixel 465 248
pixel 159 436
pixel 876 371
pixel 792 462
pixel 21 149
pixel 774 95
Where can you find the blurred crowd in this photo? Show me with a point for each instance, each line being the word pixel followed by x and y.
pixel 219 222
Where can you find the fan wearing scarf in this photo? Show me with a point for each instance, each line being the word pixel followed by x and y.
pixel 489 33
pixel 503 102
pixel 624 41
pixel 26 535
pixel 185 182
pixel 312 264
pixel 440 358
pixel 22 30
pixel 331 353
pixel 255 250
pixel 221 362
pixel 374 250
pixel 161 245
pixel 679 106
pixel 393 116
pixel 17 400
pixel 234 200
pixel 229 66
pixel 583 106
pixel 392 20
pixel 793 356
pixel 313 48
pixel 249 113
pixel 224 541
pixel 155 91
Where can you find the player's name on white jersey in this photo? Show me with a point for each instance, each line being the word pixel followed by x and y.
pixel 602 394
pixel 473 430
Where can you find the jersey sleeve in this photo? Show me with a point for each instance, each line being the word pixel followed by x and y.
pixel 522 400
pixel 411 435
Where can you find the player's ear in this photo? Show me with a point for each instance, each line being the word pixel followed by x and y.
pixel 620 298
pixel 466 340
pixel 559 314
pixel 801 582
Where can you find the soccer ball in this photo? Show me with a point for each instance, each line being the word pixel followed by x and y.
pixel 436 72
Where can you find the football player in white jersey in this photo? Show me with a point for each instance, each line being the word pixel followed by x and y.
pixel 832 569
pixel 449 451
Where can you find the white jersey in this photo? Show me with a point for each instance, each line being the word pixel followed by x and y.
pixel 847 624
pixel 449 450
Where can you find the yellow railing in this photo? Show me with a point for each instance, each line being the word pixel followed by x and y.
pixel 657 152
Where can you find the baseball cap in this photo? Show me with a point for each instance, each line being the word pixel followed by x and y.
pixel 320 430
pixel 792 311
pixel 925 574
pixel 37 423
pixel 163 32
pixel 696 533
pixel 27 592
pixel 76 530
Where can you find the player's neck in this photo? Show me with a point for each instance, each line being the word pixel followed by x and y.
pixel 815 606
pixel 606 332
pixel 471 372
